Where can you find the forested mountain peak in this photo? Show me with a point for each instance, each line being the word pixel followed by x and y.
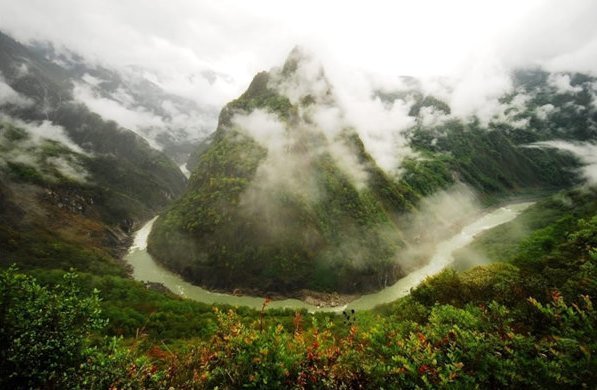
pixel 290 178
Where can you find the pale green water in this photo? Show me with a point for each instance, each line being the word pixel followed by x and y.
pixel 146 269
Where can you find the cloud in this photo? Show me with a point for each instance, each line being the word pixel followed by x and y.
pixel 462 51
pixel 29 151
pixel 288 165
pixel 113 110
pixel 284 170
pixel 561 82
pixel 10 96
pixel 44 130
pixel 119 106
pixel 439 216
pixel 338 105
pixel 381 128
pixel 22 70
pixel 559 37
pixel 545 110
pixel 179 43
pixel 265 128
pixel 586 152
pixel 477 92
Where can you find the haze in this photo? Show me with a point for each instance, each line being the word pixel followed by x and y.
pixel 210 50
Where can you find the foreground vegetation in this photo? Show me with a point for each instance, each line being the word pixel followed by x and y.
pixel 528 323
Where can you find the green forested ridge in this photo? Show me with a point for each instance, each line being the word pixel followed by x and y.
pixel 347 239
pixel 490 160
pixel 541 227
pixel 209 238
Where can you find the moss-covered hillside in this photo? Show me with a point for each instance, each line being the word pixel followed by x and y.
pixel 231 230
pixel 293 216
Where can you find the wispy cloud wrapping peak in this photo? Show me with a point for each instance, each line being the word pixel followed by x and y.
pixel 210 50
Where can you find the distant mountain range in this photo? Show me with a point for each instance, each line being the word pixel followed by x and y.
pixel 171 123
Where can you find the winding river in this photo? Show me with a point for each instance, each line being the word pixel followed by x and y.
pixel 145 268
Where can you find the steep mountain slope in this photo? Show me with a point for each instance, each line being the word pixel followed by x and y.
pixel 72 183
pixel 280 202
pixel 254 229
pixel 499 155
pixel 171 123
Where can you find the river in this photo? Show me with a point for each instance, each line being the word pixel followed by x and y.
pixel 145 268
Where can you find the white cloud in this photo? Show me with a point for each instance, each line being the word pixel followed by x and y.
pixel 22 70
pixel 9 96
pixel 89 79
pixel 462 50
pixel 545 110
pixel 509 112
pixel 46 130
pixel 339 104
pixel 135 120
pixel 477 92
pixel 430 117
pixel 179 41
pixel 586 152
pixel 27 151
pixel 265 128
pixel 307 80
pixel 381 128
pixel 561 82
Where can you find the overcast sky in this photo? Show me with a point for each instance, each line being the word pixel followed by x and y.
pixel 178 39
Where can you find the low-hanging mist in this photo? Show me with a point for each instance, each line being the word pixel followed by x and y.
pixel 305 187
pixel 586 152
pixel 40 149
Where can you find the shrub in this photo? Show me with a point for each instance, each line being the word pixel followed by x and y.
pixel 43 331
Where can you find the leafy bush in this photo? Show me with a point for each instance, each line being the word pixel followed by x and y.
pixel 43 332
pixel 466 347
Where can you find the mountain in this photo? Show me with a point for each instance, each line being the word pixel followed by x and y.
pixel 284 231
pixel 282 200
pixel 171 123
pixel 73 185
